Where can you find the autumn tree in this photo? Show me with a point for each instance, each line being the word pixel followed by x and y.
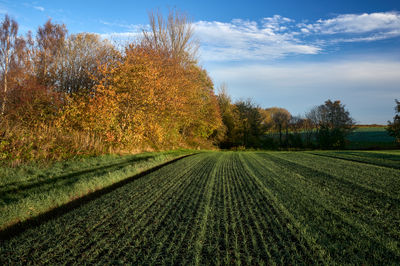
pixel 202 116
pixel 148 99
pixel 34 100
pixel 229 118
pixel 152 94
pixel 393 128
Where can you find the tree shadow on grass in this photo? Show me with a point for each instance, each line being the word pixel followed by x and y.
pixel 20 227
pixel 56 179
pixel 45 180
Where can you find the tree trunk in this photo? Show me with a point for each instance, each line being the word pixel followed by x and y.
pixel 287 137
pixel 3 106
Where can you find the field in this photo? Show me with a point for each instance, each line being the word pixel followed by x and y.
pixel 362 138
pixel 370 137
pixel 230 208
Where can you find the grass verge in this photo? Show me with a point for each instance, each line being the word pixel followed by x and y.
pixel 30 190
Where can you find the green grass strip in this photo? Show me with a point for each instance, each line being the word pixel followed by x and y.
pixel 28 192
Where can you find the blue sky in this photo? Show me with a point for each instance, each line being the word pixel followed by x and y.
pixel 291 54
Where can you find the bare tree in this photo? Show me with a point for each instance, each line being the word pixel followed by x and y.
pixel 8 49
pixel 281 118
pixel 81 56
pixel 50 41
pixel 173 36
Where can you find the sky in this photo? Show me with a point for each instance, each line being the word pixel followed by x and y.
pixel 287 53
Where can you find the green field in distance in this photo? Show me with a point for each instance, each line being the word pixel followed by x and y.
pixel 370 138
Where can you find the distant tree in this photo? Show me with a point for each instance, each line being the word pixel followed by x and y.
pixel 280 118
pixel 229 117
pixel 266 118
pixel 393 128
pixel 333 123
pixel 296 126
pixel 250 124
pixel 308 127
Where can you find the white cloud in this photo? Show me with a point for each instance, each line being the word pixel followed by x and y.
pixel 40 8
pixel 124 37
pixel 248 40
pixel 34 6
pixel 356 28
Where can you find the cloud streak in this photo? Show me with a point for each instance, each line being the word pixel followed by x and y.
pixel 358 24
pixel 131 27
pixel 40 8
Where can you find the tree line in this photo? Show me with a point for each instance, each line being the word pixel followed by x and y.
pixel 246 125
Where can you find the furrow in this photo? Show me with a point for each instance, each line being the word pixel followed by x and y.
pixel 206 211
pixel 210 252
pixel 242 216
